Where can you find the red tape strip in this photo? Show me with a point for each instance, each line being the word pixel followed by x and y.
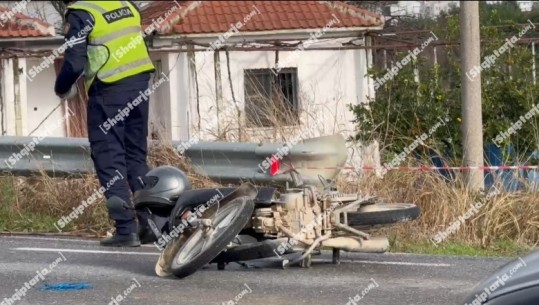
pixel 433 168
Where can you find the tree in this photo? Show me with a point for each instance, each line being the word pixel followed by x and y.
pixel 373 6
pixel 61 9
pixel 379 7
pixel 404 109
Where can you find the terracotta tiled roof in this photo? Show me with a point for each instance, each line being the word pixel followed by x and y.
pixel 20 26
pixel 197 17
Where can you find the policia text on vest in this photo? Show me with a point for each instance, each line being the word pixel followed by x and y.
pixel 118 14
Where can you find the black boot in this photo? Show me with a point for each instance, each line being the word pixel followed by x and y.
pixel 117 240
pixel 146 235
pixel 124 216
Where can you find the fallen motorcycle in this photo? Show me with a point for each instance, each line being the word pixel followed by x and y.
pixel 194 227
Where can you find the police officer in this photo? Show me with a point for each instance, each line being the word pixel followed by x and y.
pixel 95 30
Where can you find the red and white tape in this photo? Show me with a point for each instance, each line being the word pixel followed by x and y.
pixel 430 168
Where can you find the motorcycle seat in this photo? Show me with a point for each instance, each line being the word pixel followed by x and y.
pixel 196 197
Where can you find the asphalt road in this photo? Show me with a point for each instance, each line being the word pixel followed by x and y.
pixel 388 279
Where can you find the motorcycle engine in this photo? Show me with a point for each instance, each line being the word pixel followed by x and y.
pixel 296 212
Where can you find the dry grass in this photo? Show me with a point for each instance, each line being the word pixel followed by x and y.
pixel 513 216
pixel 166 154
pixel 507 216
pixel 56 197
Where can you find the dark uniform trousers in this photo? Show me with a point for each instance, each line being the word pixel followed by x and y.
pixel 119 144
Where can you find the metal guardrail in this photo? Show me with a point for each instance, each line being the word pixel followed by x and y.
pixel 221 161
pixel 56 156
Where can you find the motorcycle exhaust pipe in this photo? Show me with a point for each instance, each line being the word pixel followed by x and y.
pixel 371 245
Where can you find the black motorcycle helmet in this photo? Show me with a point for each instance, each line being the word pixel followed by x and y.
pixel 165 185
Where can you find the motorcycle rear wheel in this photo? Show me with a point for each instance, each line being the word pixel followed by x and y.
pixel 192 250
pixel 383 214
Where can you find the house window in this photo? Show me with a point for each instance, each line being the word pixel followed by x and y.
pixel 271 99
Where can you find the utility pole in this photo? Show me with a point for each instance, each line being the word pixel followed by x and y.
pixel 472 121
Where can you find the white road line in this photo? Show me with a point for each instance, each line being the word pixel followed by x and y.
pixel 56 250
pixel 389 263
pixel 61 239
pixel 48 238
pixel 84 251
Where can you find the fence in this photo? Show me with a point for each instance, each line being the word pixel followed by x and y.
pixel 221 161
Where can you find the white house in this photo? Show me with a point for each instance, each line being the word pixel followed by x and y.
pixel 222 56
pixel 24 103
pixel 219 59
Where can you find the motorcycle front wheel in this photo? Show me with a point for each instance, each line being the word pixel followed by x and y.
pixel 196 248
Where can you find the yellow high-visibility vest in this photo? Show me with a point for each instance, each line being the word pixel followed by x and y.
pixel 116 47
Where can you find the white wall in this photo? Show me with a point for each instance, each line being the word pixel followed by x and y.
pixel 8 101
pixel 38 100
pixel 328 80
pixel 41 100
pixel 179 99
pixel 14 96
pixel 159 118
pixel 169 103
